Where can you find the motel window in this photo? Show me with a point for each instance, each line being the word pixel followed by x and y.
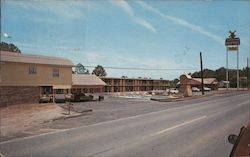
pixel 32 69
pixel 55 72
pixel 59 91
pixel 78 90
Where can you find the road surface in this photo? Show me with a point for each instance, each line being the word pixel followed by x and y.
pixel 194 130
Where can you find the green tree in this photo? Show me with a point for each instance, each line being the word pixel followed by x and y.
pixel 9 47
pixel 99 71
pixel 80 69
pixel 173 83
pixel 206 73
pixel 220 75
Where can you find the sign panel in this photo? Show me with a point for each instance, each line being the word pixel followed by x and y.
pixel 232 48
pixel 232 41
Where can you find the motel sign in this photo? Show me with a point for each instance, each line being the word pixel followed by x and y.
pixel 232 43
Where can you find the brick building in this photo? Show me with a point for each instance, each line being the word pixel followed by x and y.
pixel 134 84
pixel 25 77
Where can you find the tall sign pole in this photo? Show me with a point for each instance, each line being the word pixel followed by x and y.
pixel 232 43
pixel 227 82
pixel 247 74
pixel 238 76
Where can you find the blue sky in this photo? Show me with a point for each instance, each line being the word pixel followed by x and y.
pixel 143 34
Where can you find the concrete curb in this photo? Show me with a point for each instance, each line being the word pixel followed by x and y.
pixel 183 98
pixel 194 97
pixel 70 116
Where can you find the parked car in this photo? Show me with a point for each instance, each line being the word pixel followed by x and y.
pixel 207 89
pixel 60 98
pixel 195 89
pixel 81 97
pixel 45 99
pixel 174 91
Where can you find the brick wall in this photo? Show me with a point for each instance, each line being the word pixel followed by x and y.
pixel 10 95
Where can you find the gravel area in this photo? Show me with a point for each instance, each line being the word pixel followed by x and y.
pixel 16 120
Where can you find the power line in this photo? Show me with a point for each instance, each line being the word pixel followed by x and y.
pixel 146 69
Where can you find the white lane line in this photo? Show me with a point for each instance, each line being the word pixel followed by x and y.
pixel 179 125
pixel 243 103
pixel 230 109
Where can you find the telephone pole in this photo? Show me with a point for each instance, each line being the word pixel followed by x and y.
pixel 202 83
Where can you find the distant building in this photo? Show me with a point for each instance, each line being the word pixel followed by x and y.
pixel 125 84
pixel 196 82
pixel 208 82
pixel 87 83
pixel 25 77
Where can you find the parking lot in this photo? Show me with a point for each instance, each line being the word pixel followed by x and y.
pixel 38 118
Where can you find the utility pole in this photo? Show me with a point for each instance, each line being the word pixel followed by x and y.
pixel 247 74
pixel 202 83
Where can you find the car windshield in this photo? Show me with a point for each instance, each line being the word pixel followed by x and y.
pixel 123 78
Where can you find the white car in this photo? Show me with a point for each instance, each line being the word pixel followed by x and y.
pixel 207 89
pixel 60 98
pixel 173 91
pixel 195 89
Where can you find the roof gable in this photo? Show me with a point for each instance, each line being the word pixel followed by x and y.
pixel 205 80
pixel 87 80
pixel 33 59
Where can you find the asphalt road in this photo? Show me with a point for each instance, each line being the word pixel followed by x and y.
pixel 199 129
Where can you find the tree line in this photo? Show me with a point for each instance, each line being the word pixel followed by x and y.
pixel 9 47
pixel 220 75
pixel 98 70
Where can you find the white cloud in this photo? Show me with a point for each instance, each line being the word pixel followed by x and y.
pixel 6 35
pixel 128 9
pixel 39 46
pixel 182 22
pixel 144 23
pixel 125 6
pixel 95 56
pixel 66 9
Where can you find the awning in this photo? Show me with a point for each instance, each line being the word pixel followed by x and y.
pixel 61 86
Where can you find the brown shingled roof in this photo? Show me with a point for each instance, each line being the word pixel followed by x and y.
pixel 34 59
pixel 206 80
pixel 87 79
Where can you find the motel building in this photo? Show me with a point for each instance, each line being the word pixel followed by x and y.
pixel 134 84
pixel 24 78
